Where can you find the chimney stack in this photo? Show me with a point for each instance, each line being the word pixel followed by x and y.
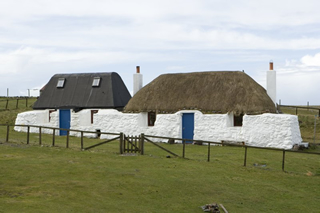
pixel 271 65
pixel 137 80
pixel 272 83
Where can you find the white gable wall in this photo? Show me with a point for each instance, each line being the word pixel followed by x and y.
pixel 266 130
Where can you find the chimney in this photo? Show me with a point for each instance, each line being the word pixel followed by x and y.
pixel 272 83
pixel 271 65
pixel 137 81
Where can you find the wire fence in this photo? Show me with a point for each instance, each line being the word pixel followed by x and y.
pixel 136 144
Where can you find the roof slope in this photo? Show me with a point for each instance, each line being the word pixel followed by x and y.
pixel 209 92
pixel 78 92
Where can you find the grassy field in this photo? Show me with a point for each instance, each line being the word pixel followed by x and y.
pixel 55 179
pixel 9 115
pixel 43 178
pixel 306 119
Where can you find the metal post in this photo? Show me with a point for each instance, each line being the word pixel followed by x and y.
pixel 142 144
pixel 7 138
pixel 209 145
pixel 28 134
pixel 245 156
pixel 53 137
pixel 184 148
pixel 283 158
pixel 121 143
pixel 68 132
pixel 39 135
pixel 81 140
pixel 315 125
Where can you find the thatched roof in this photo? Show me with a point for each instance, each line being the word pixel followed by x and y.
pixel 208 92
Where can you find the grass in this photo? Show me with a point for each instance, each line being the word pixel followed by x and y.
pixel 306 119
pixel 9 115
pixel 42 178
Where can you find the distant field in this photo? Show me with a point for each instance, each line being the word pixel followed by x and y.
pixel 307 120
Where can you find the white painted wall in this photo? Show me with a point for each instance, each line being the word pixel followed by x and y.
pixel 266 130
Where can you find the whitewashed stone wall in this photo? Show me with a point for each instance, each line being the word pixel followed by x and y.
pixel 266 130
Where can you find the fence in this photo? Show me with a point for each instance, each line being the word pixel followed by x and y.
pixel 14 103
pixel 300 107
pixel 135 144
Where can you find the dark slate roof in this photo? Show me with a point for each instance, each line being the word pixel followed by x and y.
pixel 78 92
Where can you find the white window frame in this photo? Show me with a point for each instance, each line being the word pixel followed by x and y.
pixel 96 82
pixel 60 83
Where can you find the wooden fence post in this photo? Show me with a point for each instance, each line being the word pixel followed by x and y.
pixel 183 148
pixel 283 158
pixel 7 137
pixel 39 135
pixel 142 144
pixel 17 103
pixel 68 132
pixel 81 140
pixel 7 103
pixel 209 145
pixel 121 143
pixel 26 102
pixel 53 137
pixel 128 144
pixel 28 134
pixel 245 156
pixel 135 143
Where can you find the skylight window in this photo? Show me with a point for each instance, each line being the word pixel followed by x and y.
pixel 60 83
pixel 96 81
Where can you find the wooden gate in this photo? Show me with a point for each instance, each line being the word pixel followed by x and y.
pixel 131 144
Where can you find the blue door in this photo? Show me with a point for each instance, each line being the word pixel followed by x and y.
pixel 64 120
pixel 187 126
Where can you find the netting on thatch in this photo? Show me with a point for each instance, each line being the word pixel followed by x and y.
pixel 208 92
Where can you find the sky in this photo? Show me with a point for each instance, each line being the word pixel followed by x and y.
pixel 40 38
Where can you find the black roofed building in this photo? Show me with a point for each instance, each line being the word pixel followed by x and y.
pixel 84 91
pixel 72 100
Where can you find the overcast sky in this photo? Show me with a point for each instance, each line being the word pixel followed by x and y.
pixel 39 38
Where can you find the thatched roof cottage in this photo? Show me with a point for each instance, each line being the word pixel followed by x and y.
pixel 213 106
pixel 208 92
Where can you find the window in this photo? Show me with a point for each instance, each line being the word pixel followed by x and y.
pixel 50 111
pixel 92 113
pixel 60 83
pixel 96 81
pixel 237 120
pixel 151 118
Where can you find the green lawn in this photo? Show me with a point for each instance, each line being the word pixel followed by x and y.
pixel 43 178
pixel 307 119
pixel 37 178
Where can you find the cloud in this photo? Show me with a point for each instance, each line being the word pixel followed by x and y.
pixel 310 60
